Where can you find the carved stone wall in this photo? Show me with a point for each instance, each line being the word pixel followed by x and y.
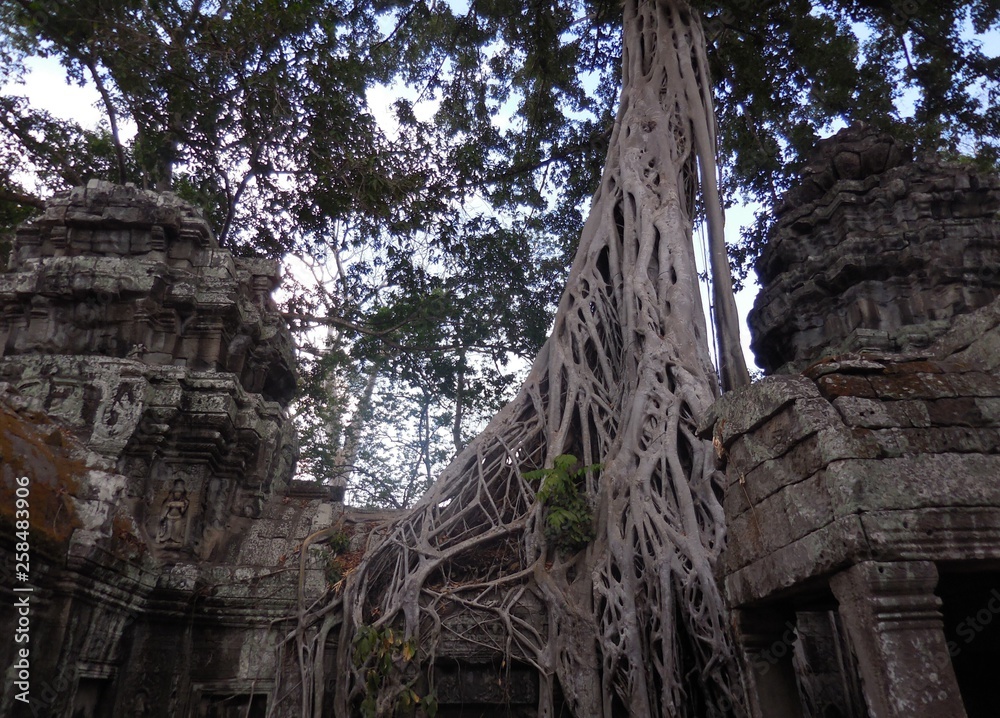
pixel 145 375
pixel 858 459
pixel 862 495
pixel 874 251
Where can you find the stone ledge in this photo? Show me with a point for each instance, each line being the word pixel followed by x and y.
pixel 892 448
pixel 791 568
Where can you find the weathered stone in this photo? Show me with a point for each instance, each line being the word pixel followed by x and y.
pixel 781 432
pixel 104 296
pixel 486 684
pixel 875 259
pixel 893 617
pixel 807 457
pixel 973 336
pixel 978 384
pixel 940 534
pixel 820 552
pixel 834 385
pixel 989 409
pixel 843 365
pixel 961 411
pixel 908 442
pixel 169 373
pixel 746 409
pixel 778 520
pixel 911 386
pixel 869 413
pixel 913 482
pixel 879 267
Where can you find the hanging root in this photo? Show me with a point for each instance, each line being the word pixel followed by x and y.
pixel 634 624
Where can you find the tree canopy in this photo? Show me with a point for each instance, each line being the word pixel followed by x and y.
pixel 259 109
pixel 442 234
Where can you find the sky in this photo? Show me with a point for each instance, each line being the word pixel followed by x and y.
pixel 46 87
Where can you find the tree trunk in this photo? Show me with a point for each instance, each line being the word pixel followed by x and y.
pixel 634 624
pixel 347 455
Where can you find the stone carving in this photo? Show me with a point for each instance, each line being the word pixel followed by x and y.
pixel 125 320
pixel 119 272
pixel 874 251
pixel 173 515
pixel 169 369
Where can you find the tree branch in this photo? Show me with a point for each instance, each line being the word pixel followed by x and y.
pixel 112 115
pixel 11 195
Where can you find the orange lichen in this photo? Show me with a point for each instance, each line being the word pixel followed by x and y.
pixel 127 544
pixel 32 445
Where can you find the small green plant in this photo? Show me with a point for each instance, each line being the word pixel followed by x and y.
pixel 569 520
pixel 339 542
pixel 381 653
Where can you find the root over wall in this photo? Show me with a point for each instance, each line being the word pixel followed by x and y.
pixel 634 623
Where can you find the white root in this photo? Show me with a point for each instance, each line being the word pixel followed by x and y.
pixel 635 623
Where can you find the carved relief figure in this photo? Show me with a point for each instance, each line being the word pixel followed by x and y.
pixel 175 508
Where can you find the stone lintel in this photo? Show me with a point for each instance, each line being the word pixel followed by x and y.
pixel 790 568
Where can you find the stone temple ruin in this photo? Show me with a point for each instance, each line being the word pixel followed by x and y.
pixel 145 376
pixel 863 496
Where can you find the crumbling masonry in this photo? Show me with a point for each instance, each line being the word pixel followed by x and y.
pixel 863 497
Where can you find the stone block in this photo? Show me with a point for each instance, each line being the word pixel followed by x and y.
pixel 823 551
pixel 741 411
pixel 913 367
pixel 322 516
pixel 833 385
pixel 486 683
pixel 939 440
pixel 781 432
pixel 911 386
pixel 869 413
pixel 803 460
pixel 963 411
pixel 895 626
pixel 967 329
pixel 911 482
pixel 984 352
pixel 937 534
pixel 989 410
pixel 844 365
pixel 780 519
pixel 860 259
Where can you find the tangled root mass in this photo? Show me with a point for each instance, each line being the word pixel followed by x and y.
pixel 634 624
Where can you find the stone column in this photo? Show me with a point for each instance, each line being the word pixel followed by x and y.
pixel 894 624
pixel 767 639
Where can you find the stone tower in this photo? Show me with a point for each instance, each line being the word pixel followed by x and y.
pixel 874 251
pixel 145 375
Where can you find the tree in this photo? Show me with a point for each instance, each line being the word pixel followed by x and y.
pixel 635 621
pixel 257 112
pixel 626 371
pixel 632 620
pixel 555 66
pixel 224 98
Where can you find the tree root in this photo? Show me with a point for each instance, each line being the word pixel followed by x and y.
pixel 634 623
